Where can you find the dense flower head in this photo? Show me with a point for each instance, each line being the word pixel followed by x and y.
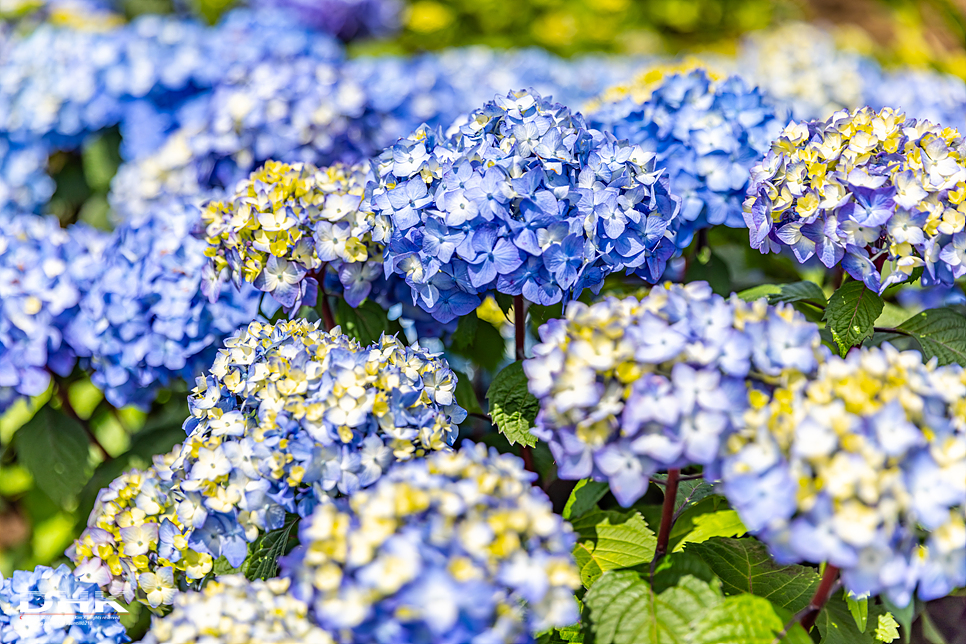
pixel 233 610
pixel 630 387
pixel 44 272
pixel 922 93
pixel 135 543
pixel 862 466
pixel 643 85
pixel 521 198
pixel 146 322
pixel 51 606
pixel 867 190
pixel 25 185
pixel 800 63
pixel 290 413
pixel 707 133
pixel 286 223
pixel 456 547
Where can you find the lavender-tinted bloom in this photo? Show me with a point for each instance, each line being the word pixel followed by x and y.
pixel 346 19
pixel 44 273
pixel 519 179
pixel 629 387
pixel 51 606
pixel 868 191
pixel 707 133
pixel 863 466
pixel 437 574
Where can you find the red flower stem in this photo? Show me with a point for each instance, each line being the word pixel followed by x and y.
pixel 667 514
pixel 520 322
pixel 821 596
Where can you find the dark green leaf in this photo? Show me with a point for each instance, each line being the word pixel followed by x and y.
pixel 512 407
pixel 672 567
pixel 55 450
pixel 100 160
pixel 708 267
pixel 608 540
pixel 851 315
pixel 486 348
pixel 584 496
pixel 744 566
pixel 465 332
pixel 366 322
pixel 222 567
pixel 544 464
pixel 941 334
pixel 263 555
pixel 504 301
pixel 466 395
pixel 836 625
pixel 540 315
pixel 690 492
pixel 808 292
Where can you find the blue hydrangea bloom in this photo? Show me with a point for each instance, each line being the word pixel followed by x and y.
pixel 457 547
pixel 875 192
pixel 289 414
pixel 25 185
pixel 51 606
pixel 44 272
pixel 707 134
pixel 146 322
pixel 521 198
pixel 922 93
pixel 631 387
pixel 861 465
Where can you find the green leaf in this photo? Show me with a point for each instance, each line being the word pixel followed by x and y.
pixel 672 567
pixel 466 394
pixel 621 609
pixel 55 450
pixel 690 492
pixel 836 625
pixel 744 566
pixel 743 619
pixel 222 567
pixel 941 334
pixel 929 631
pixel 712 269
pixel 904 615
pixel 851 315
pixel 484 347
pixel 584 496
pixel 100 160
pixel 860 610
pixel 366 322
pixel 562 635
pixel 540 315
pixel 264 552
pixel 465 331
pixel 887 630
pixel 714 524
pixel 808 292
pixel 760 291
pixel 608 540
pixel 512 407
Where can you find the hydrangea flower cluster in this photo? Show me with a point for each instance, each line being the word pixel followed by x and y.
pixel 86 619
pixel 134 545
pixel 861 189
pixel 939 98
pixel 287 222
pixel 862 466
pixel 146 321
pixel 457 547
pixel 44 270
pixel 233 609
pixel 24 183
pixel 290 413
pixel 630 387
pixel 521 198
pixel 707 133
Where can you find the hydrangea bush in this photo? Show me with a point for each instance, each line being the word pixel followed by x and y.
pixel 865 190
pixel 454 548
pixel 628 388
pixel 860 466
pixel 523 199
pixel 320 248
